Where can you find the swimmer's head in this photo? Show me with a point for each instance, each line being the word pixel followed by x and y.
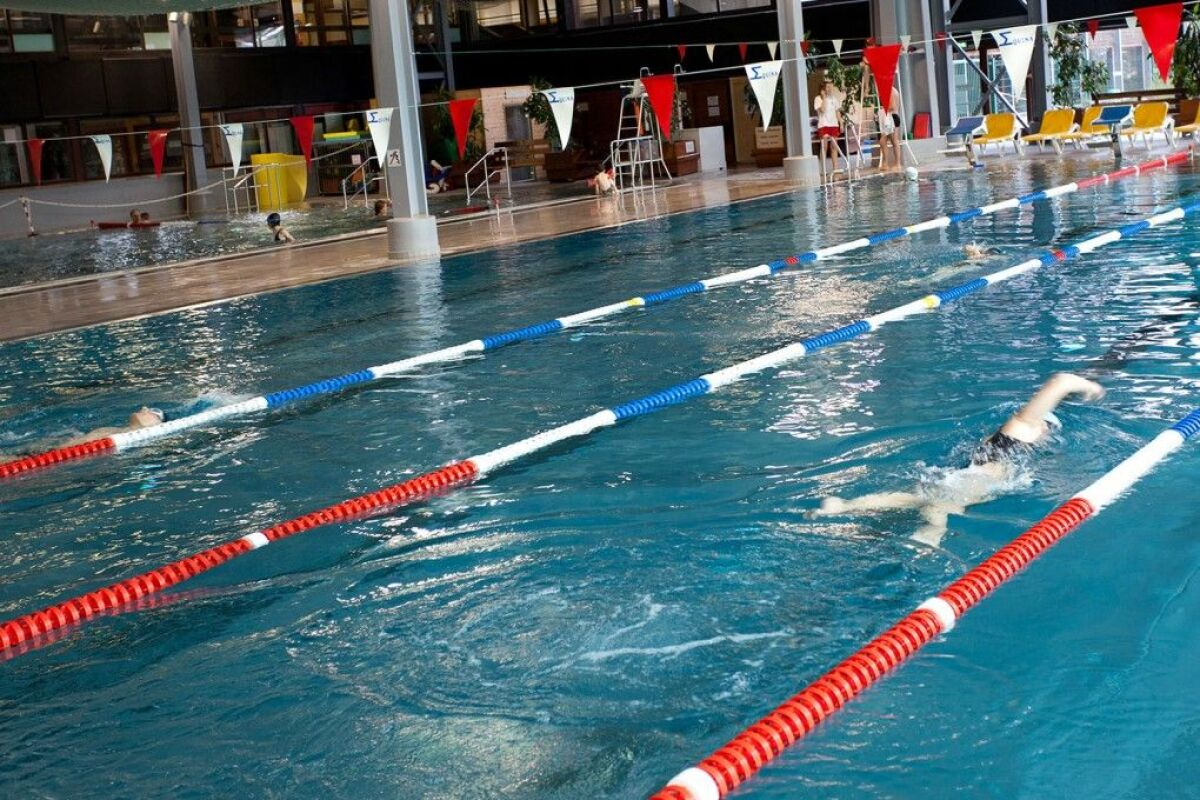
pixel 273 219
pixel 974 251
pixel 910 173
pixel 146 417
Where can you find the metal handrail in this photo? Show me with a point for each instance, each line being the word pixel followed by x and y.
pixel 250 185
pixel 488 174
pixel 365 188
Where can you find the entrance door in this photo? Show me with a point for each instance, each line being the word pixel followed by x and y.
pixel 517 125
pixel 709 101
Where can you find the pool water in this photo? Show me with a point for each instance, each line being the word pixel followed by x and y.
pixel 67 255
pixel 588 622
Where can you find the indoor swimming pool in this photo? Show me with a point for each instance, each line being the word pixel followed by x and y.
pixel 590 620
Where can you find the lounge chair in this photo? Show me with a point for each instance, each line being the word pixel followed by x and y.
pixel 1087 128
pixel 1055 123
pixel 1188 119
pixel 1149 118
pixel 1001 128
pixel 966 128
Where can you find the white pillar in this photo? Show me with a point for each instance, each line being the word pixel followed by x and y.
pixel 179 23
pixel 412 232
pixel 800 165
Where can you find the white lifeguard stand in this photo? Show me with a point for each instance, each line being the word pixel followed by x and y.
pixel 637 151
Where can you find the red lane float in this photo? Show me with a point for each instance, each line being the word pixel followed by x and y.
pixel 79 609
pixel 744 755
pixel 116 226
pixel 92 447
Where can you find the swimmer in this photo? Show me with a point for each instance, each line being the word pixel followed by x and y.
pixel 135 217
pixel 383 208
pixel 992 464
pixel 144 217
pixel 603 182
pixel 276 225
pixel 144 417
pixel 974 251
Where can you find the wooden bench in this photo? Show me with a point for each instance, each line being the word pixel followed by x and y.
pixel 1171 96
pixel 526 152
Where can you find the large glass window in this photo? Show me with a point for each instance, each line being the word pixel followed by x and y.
pixel 88 34
pixel 244 26
pixel 331 22
pixel 30 32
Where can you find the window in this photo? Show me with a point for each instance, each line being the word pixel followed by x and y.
pixel 331 22
pixel 90 34
pixel 243 26
pixel 30 32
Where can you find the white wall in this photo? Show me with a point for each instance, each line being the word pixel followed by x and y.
pixel 143 192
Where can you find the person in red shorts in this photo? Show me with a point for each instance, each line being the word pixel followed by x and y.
pixel 828 106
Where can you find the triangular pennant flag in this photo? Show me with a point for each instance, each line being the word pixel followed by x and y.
pixel 1016 49
pixel 1051 31
pixel 461 112
pixel 905 41
pixel 772 48
pixel 379 124
pixel 837 46
pixel 710 49
pixel 562 105
pixel 882 60
pixel 660 89
pixel 1160 26
pixel 158 149
pixel 234 133
pixel 940 38
pixel 34 146
pixel 976 38
pixel 103 144
pixel 682 50
pixel 743 47
pixel 1131 22
pixel 1093 27
pixel 303 125
pixel 763 78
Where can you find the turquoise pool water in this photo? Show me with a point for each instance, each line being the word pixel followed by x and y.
pixel 592 620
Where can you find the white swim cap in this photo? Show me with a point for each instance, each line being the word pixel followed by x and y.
pixel 911 173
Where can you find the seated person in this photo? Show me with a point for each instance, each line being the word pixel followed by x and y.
pixel 383 208
pixel 993 464
pixel 144 417
pixel 436 177
pixel 275 223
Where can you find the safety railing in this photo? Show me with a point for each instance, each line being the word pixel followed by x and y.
pixel 494 163
pixel 366 180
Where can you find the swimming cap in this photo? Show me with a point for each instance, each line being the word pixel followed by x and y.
pixel 272 219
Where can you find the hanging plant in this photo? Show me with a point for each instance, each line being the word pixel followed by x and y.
pixel 1075 75
pixel 1185 69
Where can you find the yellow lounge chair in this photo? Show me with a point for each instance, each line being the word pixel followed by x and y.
pixel 1055 123
pixel 1087 129
pixel 1001 128
pixel 1151 118
pixel 1188 119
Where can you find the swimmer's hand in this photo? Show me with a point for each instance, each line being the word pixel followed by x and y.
pixel 1070 383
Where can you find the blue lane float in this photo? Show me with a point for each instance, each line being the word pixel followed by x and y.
pixel 142 436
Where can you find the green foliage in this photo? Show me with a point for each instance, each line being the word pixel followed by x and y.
pixel 847 80
pixel 1185 69
pixel 443 128
pixel 751 102
pixel 681 112
pixel 1073 70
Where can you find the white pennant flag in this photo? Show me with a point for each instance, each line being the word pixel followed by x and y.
pixel 905 41
pixel 976 38
pixel 379 123
pixel 1131 22
pixel 772 47
pixel 837 46
pixel 1016 48
pixel 763 77
pixel 233 140
pixel 710 48
pixel 562 104
pixel 1051 31
pixel 103 144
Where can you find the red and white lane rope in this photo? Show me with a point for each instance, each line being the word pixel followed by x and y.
pixel 747 753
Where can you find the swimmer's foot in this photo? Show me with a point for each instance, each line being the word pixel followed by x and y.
pixel 829 506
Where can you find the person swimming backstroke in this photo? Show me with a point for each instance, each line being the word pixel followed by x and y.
pixel 993 463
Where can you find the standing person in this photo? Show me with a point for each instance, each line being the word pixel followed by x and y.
pixel 829 121
pixel 891 126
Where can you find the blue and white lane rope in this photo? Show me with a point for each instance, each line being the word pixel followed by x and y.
pixel 33 625
pixel 142 436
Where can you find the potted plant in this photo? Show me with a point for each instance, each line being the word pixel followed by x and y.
pixel 1185 69
pixel 681 154
pixel 1077 78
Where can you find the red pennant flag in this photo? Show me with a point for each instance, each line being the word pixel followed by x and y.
pixel 742 48
pixel 882 60
pixel 940 38
pixel 804 46
pixel 460 118
pixel 304 135
pixel 34 146
pixel 1093 26
pixel 682 48
pixel 158 149
pixel 660 89
pixel 1160 26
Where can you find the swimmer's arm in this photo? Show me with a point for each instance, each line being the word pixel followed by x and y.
pixel 1029 424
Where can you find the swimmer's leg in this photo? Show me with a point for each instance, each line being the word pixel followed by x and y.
pixel 880 501
pixel 937 519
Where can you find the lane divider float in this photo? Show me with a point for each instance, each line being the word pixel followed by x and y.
pixel 747 753
pixel 131 439
pixel 76 610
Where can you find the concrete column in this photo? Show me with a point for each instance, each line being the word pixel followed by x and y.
pixel 179 24
pixel 918 80
pixel 801 165
pixel 1039 67
pixel 412 233
pixel 943 68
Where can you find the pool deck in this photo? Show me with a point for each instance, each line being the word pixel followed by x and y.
pixel 34 310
